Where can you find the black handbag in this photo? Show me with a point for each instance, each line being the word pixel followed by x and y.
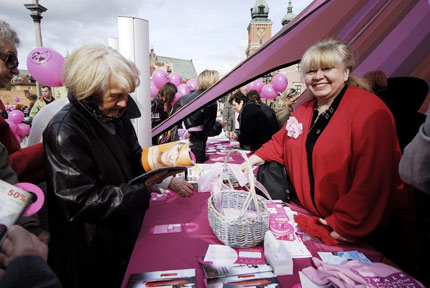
pixel 276 181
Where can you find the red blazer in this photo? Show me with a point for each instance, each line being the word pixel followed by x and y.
pixel 355 163
pixel 28 163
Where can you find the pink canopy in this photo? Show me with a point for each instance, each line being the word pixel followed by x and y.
pixel 388 35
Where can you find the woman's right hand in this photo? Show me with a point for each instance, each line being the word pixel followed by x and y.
pixel 159 176
pixel 253 160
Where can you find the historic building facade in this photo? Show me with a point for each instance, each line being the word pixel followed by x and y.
pixel 260 31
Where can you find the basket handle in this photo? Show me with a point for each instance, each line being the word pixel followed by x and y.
pixel 252 195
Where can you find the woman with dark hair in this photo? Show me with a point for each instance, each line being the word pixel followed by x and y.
pixel 161 104
pixel 161 108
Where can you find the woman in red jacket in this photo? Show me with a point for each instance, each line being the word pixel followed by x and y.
pixel 340 148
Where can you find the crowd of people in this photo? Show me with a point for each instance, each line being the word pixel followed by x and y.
pixel 340 150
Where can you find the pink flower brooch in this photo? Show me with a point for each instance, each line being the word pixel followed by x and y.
pixel 294 128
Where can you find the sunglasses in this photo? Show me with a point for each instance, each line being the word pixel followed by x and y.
pixel 10 59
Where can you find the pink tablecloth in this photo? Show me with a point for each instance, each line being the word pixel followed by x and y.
pixel 156 252
pixel 181 250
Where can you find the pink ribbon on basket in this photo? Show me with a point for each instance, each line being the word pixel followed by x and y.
pixel 184 133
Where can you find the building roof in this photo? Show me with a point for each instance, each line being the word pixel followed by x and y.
pixel 256 12
pixel 184 67
pixel 290 15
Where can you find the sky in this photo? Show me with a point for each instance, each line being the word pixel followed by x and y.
pixel 211 33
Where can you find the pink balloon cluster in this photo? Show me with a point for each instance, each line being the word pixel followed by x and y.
pixel 14 120
pixel 268 92
pixel 160 77
pixel 256 85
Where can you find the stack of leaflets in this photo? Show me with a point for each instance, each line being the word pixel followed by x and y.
pixel 342 257
pixel 239 275
pixel 168 278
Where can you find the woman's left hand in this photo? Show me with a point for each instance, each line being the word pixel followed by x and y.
pixel 334 234
pixel 181 187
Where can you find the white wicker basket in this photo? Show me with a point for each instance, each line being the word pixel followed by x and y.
pixel 247 229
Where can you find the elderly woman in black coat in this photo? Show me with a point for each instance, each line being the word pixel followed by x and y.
pixel 92 153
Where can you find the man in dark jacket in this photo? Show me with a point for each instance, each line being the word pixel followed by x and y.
pixel 255 128
pixel 253 96
pixel 92 153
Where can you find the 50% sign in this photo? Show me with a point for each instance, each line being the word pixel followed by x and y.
pixel 17 195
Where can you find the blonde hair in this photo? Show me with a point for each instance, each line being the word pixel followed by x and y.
pixel 89 70
pixel 207 78
pixel 331 52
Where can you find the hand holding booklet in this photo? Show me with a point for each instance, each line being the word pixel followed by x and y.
pixel 173 157
pixel 13 202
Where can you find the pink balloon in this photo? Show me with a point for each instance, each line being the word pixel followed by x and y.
pixel 250 86
pixel 12 126
pixel 175 78
pixel 45 66
pixel 183 90
pixel 258 85
pixel 16 116
pixel 280 82
pixel 192 84
pixel 154 89
pixel 268 92
pixel 159 77
pixel 23 129
pixel 16 99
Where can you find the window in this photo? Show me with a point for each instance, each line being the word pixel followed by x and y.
pixel 298 88
pixel 298 67
pixel 261 41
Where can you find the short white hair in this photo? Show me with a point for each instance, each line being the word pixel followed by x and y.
pixel 88 71
pixel 8 33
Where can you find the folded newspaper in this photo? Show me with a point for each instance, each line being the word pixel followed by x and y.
pixel 172 156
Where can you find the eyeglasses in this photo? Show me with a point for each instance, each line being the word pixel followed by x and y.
pixel 10 59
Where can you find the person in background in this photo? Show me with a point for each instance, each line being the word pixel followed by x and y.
pixel 92 153
pixel 255 128
pixel 414 170
pixel 27 162
pixel 44 100
pixel 228 117
pixel 202 123
pixel 378 82
pixel 341 154
pixel 161 107
pixel 42 119
pixel 283 105
pixel 23 261
pixel 253 96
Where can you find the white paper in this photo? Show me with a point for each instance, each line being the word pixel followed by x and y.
pixel 220 254
pixel 247 254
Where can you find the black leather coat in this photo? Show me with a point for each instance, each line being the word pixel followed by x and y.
pixel 206 117
pixel 94 214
